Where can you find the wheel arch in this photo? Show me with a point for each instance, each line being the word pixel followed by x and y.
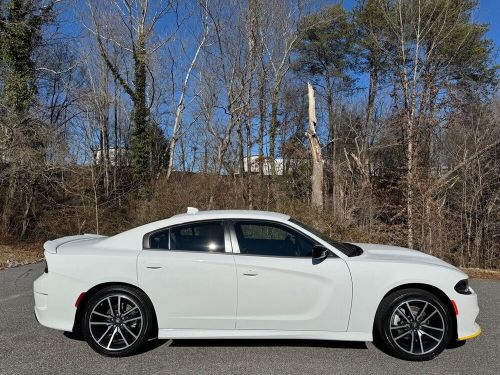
pixel 431 289
pixel 77 325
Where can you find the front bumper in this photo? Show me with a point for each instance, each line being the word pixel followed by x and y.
pixel 468 309
pixel 474 335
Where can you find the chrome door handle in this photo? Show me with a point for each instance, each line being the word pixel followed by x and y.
pixel 250 273
pixel 154 266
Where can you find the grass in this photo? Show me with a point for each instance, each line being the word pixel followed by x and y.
pixel 21 253
pixel 478 273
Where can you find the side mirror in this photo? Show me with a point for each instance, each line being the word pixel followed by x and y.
pixel 320 253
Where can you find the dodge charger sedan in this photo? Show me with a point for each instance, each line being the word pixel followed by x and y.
pixel 251 275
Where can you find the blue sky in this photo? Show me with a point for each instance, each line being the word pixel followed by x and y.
pixel 489 12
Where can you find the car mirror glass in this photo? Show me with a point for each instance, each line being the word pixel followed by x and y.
pixel 319 253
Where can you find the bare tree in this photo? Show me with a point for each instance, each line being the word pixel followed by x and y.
pixel 317 160
pixel 278 44
pixel 138 21
pixel 182 98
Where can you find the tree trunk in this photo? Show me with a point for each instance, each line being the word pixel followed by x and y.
pixel 333 135
pixel 105 134
pixel 370 109
pixel 241 154
pixel 273 128
pixel 248 123
pixel 180 105
pixel 27 207
pixel 409 181
pixel 317 160
pixel 8 206
pixel 262 119
pixel 141 147
pixel 117 156
pixel 205 155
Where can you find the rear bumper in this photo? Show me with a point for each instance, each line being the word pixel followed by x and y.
pixel 53 308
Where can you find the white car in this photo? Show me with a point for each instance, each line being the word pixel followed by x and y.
pixel 250 274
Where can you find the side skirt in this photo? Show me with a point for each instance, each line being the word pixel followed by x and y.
pixel 261 334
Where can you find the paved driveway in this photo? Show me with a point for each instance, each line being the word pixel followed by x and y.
pixel 28 348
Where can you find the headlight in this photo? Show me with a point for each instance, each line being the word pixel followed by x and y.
pixel 462 287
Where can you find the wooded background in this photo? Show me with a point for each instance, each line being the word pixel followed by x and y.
pixel 116 113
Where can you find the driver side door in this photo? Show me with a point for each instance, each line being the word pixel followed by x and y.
pixel 279 285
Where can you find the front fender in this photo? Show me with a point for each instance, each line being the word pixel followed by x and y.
pixel 372 282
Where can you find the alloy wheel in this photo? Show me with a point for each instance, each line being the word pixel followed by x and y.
pixel 417 326
pixel 115 322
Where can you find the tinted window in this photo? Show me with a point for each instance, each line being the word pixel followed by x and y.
pixel 198 237
pixel 348 249
pixel 271 239
pixel 159 240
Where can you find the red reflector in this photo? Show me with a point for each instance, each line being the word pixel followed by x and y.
pixel 79 299
pixel 454 306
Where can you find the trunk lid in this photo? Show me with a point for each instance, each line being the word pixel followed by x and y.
pixel 52 245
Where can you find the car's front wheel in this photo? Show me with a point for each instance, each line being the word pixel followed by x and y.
pixel 117 321
pixel 413 324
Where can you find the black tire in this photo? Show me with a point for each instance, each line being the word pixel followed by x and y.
pixel 413 324
pixel 132 324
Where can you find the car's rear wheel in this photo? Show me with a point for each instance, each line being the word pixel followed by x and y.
pixel 413 324
pixel 117 321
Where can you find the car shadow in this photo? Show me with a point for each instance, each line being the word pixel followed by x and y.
pixel 74 336
pixel 156 343
pixel 454 344
pixel 151 344
pixel 267 342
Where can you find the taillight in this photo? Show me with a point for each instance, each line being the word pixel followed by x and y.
pixel 79 299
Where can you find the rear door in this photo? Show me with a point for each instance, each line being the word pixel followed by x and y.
pixel 280 287
pixel 189 273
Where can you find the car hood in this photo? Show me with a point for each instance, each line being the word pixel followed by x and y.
pixel 387 253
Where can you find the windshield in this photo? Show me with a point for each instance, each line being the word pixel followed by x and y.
pixel 347 248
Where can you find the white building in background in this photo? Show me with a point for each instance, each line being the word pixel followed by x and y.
pixel 119 157
pixel 266 165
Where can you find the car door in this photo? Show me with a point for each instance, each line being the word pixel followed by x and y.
pixel 279 285
pixel 189 273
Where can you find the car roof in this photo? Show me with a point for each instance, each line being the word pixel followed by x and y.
pixel 133 238
pixel 228 214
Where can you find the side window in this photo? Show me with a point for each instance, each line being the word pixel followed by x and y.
pixel 159 240
pixel 256 238
pixel 207 236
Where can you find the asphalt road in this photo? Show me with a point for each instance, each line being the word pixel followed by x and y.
pixel 28 348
